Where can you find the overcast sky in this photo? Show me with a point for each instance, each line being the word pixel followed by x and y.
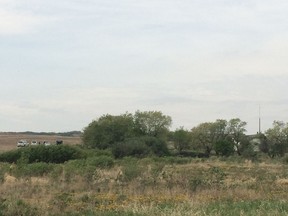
pixel 65 63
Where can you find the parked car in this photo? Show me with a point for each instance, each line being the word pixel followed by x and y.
pixel 34 143
pixel 46 143
pixel 22 143
pixel 59 142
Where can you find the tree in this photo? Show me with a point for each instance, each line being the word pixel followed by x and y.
pixel 236 131
pixel 277 138
pixel 108 130
pixel 205 135
pixel 202 137
pixel 152 123
pixel 181 139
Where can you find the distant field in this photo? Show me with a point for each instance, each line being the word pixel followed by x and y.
pixel 9 141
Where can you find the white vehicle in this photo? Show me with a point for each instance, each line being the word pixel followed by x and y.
pixel 46 143
pixel 22 143
pixel 34 143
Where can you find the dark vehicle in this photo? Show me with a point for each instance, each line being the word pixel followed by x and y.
pixel 59 142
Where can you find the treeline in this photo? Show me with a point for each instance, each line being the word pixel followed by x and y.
pixel 68 134
pixel 145 133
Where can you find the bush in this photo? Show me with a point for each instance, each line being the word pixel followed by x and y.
pixel 34 169
pixel 48 154
pixel 157 146
pixel 249 153
pixel 101 161
pixel 224 148
pixel 178 160
pixel 3 169
pixel 11 156
pixel 131 168
pixel 131 147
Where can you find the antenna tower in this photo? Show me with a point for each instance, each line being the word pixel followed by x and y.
pixel 259 119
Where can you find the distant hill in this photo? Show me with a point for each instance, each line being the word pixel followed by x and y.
pixel 68 134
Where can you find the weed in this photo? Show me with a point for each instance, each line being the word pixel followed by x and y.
pixel 256 207
pixel 195 183
pixel 17 207
pixel 131 171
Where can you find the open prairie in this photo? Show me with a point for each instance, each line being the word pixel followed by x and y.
pixel 8 141
pixel 145 187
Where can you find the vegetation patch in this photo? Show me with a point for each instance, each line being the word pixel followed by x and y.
pixel 47 154
pixel 251 208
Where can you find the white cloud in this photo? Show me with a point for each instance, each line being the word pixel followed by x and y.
pixel 17 20
pixel 13 23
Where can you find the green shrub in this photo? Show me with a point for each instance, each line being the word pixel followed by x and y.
pixel 140 147
pixel 174 160
pixel 157 146
pixel 131 171
pixel 74 167
pixel 100 161
pixel 34 169
pixel 89 152
pixel 224 148
pixel 10 156
pixel 131 147
pixel 3 169
pixel 249 153
pixel 48 154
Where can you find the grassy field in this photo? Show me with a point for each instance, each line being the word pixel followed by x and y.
pixel 8 141
pixel 100 185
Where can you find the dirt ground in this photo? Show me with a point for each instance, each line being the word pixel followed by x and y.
pixel 9 141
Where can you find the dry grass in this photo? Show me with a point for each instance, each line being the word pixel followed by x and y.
pixel 202 188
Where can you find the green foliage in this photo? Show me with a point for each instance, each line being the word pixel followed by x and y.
pixel 249 207
pixel 181 138
pixel 131 147
pixel 248 152
pixel 48 154
pixel 157 146
pixel 107 130
pixel 277 138
pixel 34 169
pixel 207 134
pixel 100 161
pixel 140 147
pixel 152 123
pixel 224 148
pixel 3 169
pixel 173 160
pixel 11 156
pixel 203 137
pixel 236 133
pixel 131 169
pixel 217 176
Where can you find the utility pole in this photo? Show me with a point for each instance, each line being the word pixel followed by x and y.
pixel 259 119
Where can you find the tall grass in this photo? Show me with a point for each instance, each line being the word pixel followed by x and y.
pixel 101 185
